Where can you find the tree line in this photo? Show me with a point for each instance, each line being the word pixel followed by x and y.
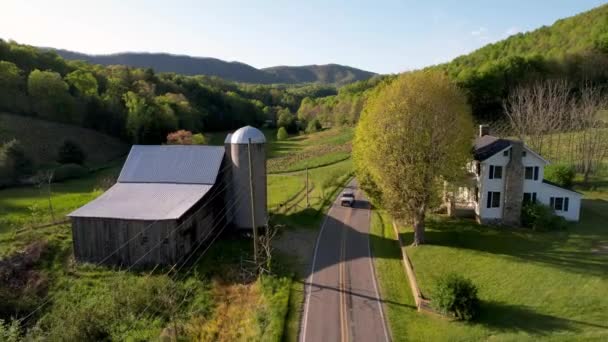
pixel 135 104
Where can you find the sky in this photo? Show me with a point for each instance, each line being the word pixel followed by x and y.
pixel 380 36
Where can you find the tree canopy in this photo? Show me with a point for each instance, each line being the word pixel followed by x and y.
pixel 414 134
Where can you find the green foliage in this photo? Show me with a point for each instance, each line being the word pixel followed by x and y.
pixel 272 317
pixel 313 126
pixel 561 174
pixel 457 295
pixel 282 133
pixel 83 81
pixel 12 97
pixel 70 153
pixel 407 162
pixel 69 171
pixel 572 48
pixel 110 308
pixel 50 96
pixel 540 217
pixel 199 139
pixel 287 120
pixel 10 331
pixel 14 163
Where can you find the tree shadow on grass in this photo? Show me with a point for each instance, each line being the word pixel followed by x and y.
pixel 568 250
pixel 512 318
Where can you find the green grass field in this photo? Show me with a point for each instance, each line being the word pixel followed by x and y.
pixel 549 286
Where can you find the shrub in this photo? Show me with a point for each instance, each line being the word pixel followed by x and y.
pixel 540 217
pixel 70 153
pixel 199 139
pixel 454 294
pixel 69 171
pixel 560 174
pixel 282 133
pixel 313 126
pixel 14 163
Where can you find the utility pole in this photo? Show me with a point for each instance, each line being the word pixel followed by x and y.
pixel 307 199
pixel 253 225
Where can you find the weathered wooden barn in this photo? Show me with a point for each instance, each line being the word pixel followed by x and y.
pixel 168 199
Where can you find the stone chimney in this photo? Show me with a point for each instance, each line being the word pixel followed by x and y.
pixel 484 130
pixel 514 186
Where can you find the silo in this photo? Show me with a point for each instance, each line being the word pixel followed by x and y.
pixel 227 180
pixel 239 155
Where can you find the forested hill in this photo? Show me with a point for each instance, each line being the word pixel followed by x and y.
pixel 327 74
pixel 574 49
pixel 232 71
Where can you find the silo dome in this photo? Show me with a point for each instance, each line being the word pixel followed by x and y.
pixel 243 134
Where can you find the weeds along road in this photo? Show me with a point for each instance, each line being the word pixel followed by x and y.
pixel 342 302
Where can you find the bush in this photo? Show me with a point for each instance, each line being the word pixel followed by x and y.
pixel 454 294
pixel 69 171
pixel 561 174
pixel 282 133
pixel 313 126
pixel 70 153
pixel 14 163
pixel 540 217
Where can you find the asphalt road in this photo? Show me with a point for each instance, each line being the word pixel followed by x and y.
pixel 342 301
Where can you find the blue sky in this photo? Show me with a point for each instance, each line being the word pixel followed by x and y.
pixel 380 36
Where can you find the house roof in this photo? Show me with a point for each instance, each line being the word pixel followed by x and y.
pixel 144 201
pixel 559 186
pixel 178 164
pixel 486 146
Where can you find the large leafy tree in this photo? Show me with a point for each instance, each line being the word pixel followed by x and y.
pixel 414 134
pixel 50 96
pixel 83 81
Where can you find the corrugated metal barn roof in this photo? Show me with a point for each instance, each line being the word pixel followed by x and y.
pixel 180 164
pixel 144 201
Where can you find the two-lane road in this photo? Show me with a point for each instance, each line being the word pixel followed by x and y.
pixel 342 301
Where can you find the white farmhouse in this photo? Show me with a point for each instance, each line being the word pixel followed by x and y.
pixel 504 175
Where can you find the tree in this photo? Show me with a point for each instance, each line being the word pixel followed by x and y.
pixel 70 153
pixel 414 134
pixel 314 125
pixel 11 87
pixel 148 122
pixel 282 133
pixel 181 137
pixel 14 163
pixel 83 81
pixel 287 120
pixel 199 139
pixel 50 96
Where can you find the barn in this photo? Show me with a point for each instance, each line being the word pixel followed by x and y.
pixel 169 199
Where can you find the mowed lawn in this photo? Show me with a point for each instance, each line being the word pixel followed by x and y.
pixel 548 286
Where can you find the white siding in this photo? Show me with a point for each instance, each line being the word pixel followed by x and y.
pixel 547 191
pixel 494 185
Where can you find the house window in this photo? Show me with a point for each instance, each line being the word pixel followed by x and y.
pixel 529 197
pixel 505 153
pixel 559 203
pixel 523 153
pixel 478 168
pixel 495 172
pixel 493 199
pixel 531 172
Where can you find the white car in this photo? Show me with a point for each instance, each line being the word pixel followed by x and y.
pixel 347 199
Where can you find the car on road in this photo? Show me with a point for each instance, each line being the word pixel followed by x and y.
pixel 347 199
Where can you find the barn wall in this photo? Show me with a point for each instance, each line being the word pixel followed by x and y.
pixel 164 242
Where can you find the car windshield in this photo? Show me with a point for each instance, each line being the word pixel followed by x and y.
pixel 348 194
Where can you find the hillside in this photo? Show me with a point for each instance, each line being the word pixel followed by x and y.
pixel 574 49
pixel 573 35
pixel 327 74
pixel 41 140
pixel 232 71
